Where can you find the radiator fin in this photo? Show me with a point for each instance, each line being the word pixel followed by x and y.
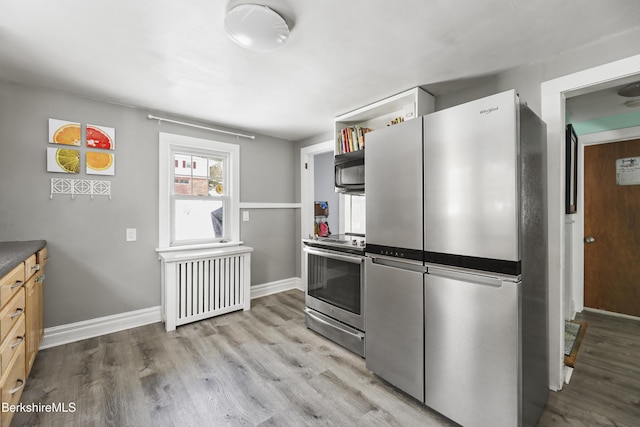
pixel 209 287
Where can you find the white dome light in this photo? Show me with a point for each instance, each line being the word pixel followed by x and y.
pixel 256 27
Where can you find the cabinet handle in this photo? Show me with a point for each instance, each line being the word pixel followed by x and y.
pixel 17 284
pixel 17 313
pixel 35 267
pixel 18 388
pixel 40 278
pixel 17 343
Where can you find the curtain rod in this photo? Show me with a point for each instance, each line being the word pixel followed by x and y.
pixel 160 119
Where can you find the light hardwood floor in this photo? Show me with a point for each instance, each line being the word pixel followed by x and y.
pixel 264 368
pixel 605 386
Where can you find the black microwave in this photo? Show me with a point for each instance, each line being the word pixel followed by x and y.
pixel 349 172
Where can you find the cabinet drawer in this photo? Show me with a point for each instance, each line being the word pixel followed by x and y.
pixel 41 257
pixel 11 283
pixel 10 313
pixel 11 343
pixel 30 267
pixel 13 383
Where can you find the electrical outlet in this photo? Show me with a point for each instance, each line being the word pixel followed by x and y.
pixel 131 234
pixel 245 216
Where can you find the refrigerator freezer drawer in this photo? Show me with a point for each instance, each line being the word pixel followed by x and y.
pixel 394 324
pixel 472 349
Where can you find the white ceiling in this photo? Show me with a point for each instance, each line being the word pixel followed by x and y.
pixel 174 57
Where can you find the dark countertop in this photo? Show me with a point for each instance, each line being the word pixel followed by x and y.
pixel 13 253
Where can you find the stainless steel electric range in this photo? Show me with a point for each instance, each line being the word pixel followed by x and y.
pixel 335 289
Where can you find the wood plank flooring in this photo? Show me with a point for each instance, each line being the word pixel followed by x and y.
pixel 605 386
pixel 265 368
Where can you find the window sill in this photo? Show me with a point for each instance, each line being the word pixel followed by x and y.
pixel 185 253
pixel 198 247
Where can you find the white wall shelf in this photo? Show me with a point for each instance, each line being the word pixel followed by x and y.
pixel 406 105
pixel 83 187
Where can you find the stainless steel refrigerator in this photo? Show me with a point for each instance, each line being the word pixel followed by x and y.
pixel 484 288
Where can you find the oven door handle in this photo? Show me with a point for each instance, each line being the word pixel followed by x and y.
pixel 332 255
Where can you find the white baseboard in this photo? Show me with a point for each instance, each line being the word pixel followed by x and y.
pixel 265 289
pixel 72 332
pixel 568 371
pixel 611 313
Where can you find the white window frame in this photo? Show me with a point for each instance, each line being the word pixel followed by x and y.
pixel 170 143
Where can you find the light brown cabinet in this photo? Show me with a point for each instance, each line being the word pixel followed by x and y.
pixel 34 290
pixel 21 326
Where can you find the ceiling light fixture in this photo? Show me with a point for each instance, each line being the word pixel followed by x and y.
pixel 256 27
pixel 633 103
pixel 630 90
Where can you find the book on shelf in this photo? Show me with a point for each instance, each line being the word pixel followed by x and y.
pixel 351 139
pixel 396 121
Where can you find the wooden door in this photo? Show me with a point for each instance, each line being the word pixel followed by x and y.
pixel 611 230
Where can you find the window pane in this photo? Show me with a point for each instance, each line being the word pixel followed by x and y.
pixel 199 186
pixel 182 174
pixel 199 173
pixel 358 214
pixel 198 219
pixel 216 177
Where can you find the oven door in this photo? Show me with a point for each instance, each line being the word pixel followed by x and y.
pixel 335 285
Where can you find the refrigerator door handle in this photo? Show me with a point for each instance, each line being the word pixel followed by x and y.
pixel 467 277
pixel 403 265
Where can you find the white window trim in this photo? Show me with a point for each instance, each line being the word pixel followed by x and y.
pixel 169 142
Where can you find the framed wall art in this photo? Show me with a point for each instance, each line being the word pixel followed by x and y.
pixel 63 160
pixel 102 137
pixel 571 197
pixel 64 132
pixel 100 163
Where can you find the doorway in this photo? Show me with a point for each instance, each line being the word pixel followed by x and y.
pixel 347 210
pixel 326 200
pixel 612 206
pixel 586 141
pixel 307 199
pixel 553 95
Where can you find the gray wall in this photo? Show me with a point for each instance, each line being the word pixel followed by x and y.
pixel 93 272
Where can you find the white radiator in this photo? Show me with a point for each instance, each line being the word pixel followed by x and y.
pixel 198 284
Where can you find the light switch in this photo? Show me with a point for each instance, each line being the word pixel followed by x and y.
pixel 245 216
pixel 131 234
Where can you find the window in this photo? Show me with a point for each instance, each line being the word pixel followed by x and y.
pixel 198 197
pixel 353 213
pixel 198 191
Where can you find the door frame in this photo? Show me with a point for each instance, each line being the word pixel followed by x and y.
pixel 553 95
pixel 306 195
pixel 617 135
